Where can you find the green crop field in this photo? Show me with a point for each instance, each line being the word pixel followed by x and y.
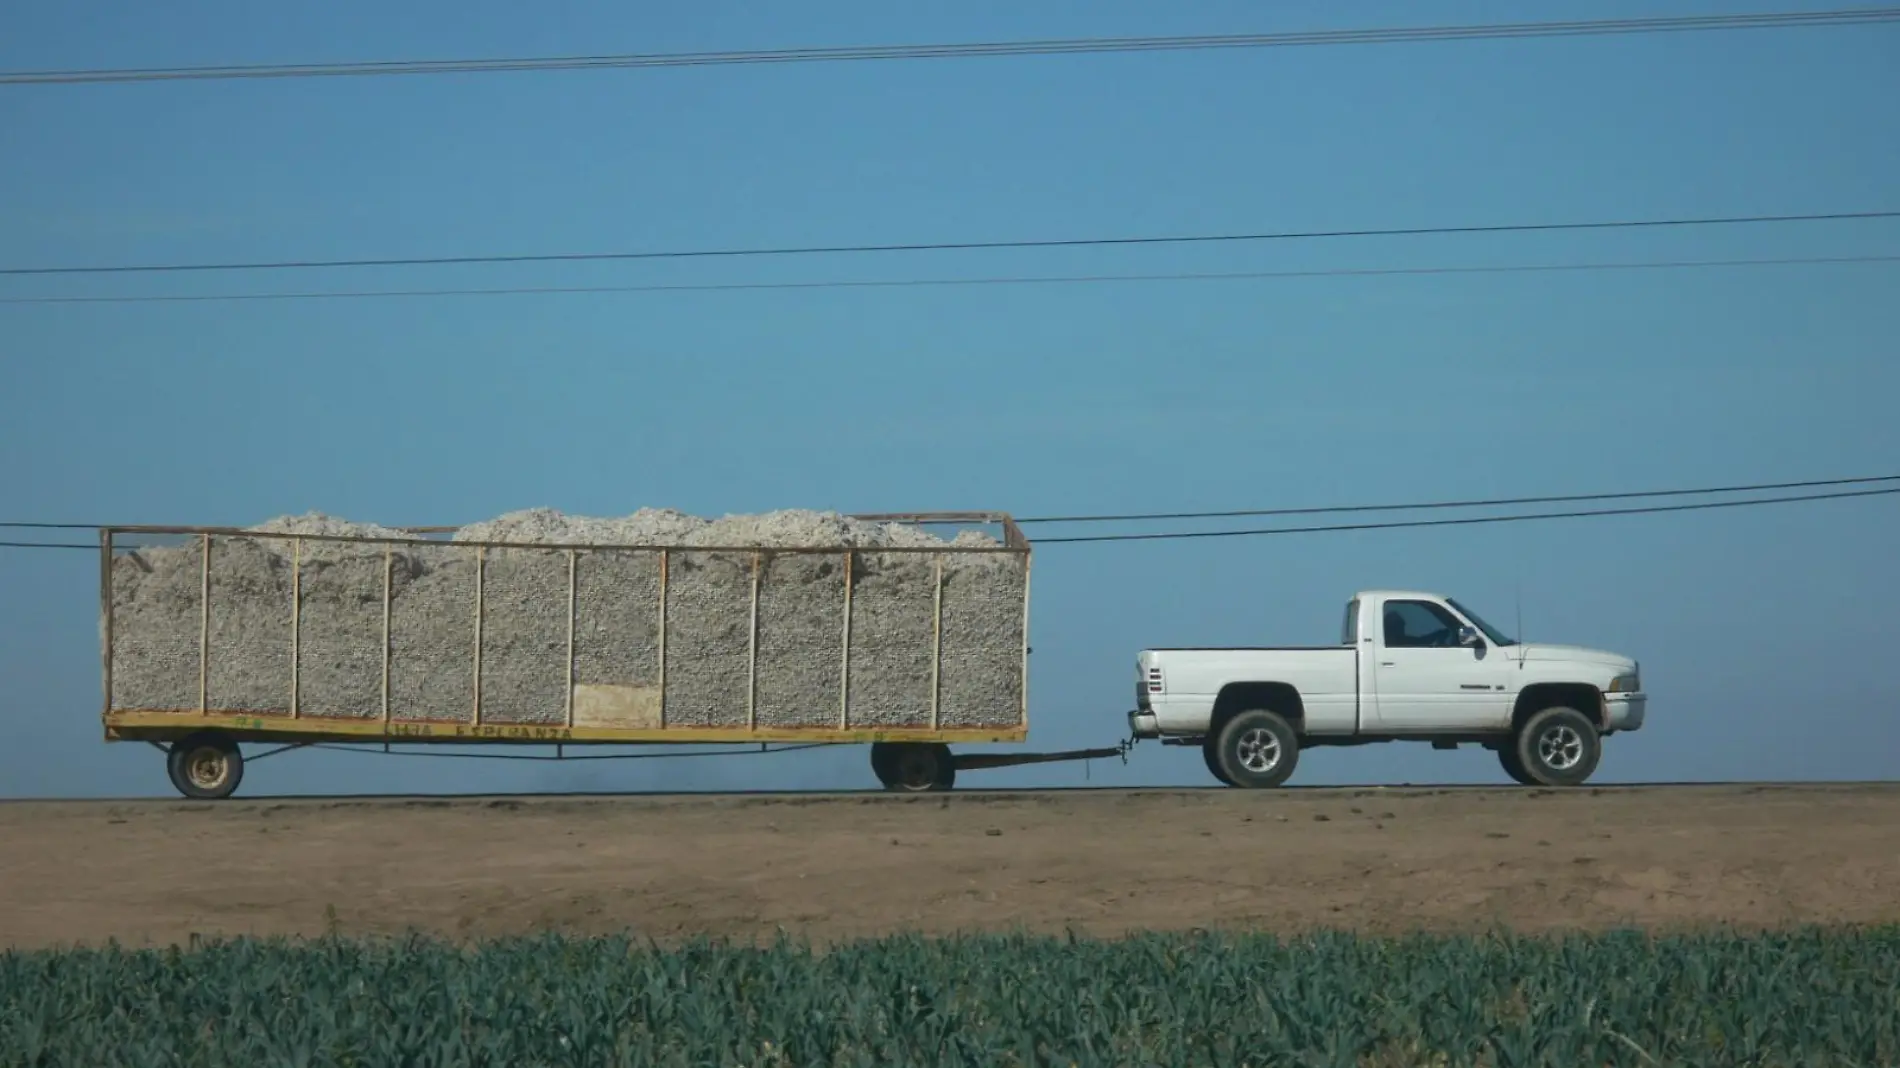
pixel 1816 998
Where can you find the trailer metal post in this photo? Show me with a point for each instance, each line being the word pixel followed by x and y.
pixel 1023 718
pixel 936 644
pixel 665 561
pixel 105 617
pixel 389 578
pixel 204 625
pixel 752 650
pixel 481 576
pixel 573 565
pixel 844 675
pixel 296 625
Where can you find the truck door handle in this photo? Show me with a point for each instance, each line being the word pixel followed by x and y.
pixel 1385 663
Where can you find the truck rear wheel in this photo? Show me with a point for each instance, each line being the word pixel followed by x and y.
pixel 1257 750
pixel 206 766
pixel 1558 747
pixel 913 767
pixel 1211 754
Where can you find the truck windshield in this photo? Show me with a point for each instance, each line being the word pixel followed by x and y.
pixel 1496 636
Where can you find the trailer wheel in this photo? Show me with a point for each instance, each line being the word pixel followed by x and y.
pixel 913 767
pixel 1558 747
pixel 1257 749
pixel 206 766
pixel 1212 756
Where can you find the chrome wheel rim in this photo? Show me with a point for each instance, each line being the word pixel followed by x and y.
pixel 1560 748
pixel 1258 750
pixel 206 769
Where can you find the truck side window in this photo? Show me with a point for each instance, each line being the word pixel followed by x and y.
pixel 1419 625
pixel 1349 631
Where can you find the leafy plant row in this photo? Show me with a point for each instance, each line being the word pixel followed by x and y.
pixel 1810 997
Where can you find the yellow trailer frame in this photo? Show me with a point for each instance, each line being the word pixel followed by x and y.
pixel 221 729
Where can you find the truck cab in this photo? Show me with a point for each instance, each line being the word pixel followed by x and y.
pixel 1408 666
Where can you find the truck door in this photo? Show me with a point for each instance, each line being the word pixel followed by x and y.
pixel 1425 681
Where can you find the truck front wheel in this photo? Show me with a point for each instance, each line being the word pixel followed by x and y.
pixel 1558 747
pixel 1257 750
pixel 1513 765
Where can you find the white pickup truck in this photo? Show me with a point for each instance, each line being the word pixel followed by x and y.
pixel 1408 667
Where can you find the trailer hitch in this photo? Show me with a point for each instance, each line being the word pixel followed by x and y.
pixel 974 761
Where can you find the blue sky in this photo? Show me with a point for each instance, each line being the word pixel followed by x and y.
pixel 1760 631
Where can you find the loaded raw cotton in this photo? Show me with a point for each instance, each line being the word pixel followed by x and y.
pixel 573 632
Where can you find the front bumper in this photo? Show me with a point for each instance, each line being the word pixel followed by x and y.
pixel 1143 724
pixel 1624 711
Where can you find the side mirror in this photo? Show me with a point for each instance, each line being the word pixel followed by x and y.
pixel 1467 635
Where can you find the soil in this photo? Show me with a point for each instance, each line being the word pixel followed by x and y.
pixel 828 867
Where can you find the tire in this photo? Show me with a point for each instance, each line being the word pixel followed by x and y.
pixel 1211 755
pixel 881 761
pixel 1514 767
pixel 1558 747
pixel 1257 750
pixel 205 766
pixel 913 767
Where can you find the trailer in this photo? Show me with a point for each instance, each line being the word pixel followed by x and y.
pixel 215 638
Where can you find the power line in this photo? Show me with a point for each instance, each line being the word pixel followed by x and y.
pixel 1472 521
pixel 1496 502
pixel 1073 46
pixel 917 283
pixel 1345 527
pixel 1484 503
pixel 954 246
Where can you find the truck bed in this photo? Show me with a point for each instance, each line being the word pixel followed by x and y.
pixel 1326 679
pixel 1248 648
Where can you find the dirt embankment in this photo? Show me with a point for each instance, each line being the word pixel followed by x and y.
pixel 846 866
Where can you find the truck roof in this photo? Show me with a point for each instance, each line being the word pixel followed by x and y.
pixel 1399 595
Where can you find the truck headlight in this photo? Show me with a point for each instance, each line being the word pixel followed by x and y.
pixel 1630 683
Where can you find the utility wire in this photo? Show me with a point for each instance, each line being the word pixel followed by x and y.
pixel 949 246
pixel 1493 502
pixel 1073 46
pixel 1496 502
pixel 918 283
pixel 1384 525
pixel 1473 521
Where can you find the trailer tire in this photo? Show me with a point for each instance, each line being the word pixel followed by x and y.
pixel 913 767
pixel 1558 747
pixel 1257 750
pixel 206 766
pixel 881 761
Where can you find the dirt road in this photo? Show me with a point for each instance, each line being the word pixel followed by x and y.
pixel 835 867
